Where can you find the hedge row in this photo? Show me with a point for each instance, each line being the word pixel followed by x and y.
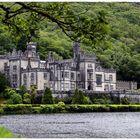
pixel 57 108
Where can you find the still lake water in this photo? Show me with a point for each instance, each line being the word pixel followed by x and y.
pixel 76 125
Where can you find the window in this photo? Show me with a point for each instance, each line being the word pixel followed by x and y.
pixel 45 85
pixel 66 85
pixel 32 78
pixel 45 76
pixel 72 76
pixel 90 76
pixel 78 76
pixel 14 77
pixel 14 68
pixel 99 80
pixel 5 64
pixel 62 74
pixel 106 88
pixel 89 65
pixel 110 78
pixel 24 80
pixel 111 87
pixel 14 80
pixel 66 74
pixel 72 86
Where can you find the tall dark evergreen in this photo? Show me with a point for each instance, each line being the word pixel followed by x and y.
pixel 3 82
pixel 47 97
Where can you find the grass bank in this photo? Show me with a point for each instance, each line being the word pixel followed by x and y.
pixel 59 108
pixel 4 133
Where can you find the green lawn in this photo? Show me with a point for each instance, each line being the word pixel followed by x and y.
pixel 4 133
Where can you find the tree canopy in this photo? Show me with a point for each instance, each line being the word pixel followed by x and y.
pixel 109 30
pixel 73 20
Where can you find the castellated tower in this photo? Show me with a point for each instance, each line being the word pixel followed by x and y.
pixel 31 48
pixel 76 50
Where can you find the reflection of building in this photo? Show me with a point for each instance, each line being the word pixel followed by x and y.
pixel 82 71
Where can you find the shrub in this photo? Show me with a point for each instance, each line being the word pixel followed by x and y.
pixel 101 101
pixel 60 107
pixel 36 110
pixel 1 110
pixel 62 104
pixel 47 97
pixel 8 92
pixel 22 90
pixel 33 93
pixel 3 83
pixel 113 108
pixel 134 107
pixel 48 109
pixel 87 100
pixel 17 109
pixel 27 98
pixel 123 108
pixel 125 100
pixel 15 99
pixel 78 97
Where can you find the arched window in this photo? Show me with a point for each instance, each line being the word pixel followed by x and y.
pixel 25 80
pixel 32 78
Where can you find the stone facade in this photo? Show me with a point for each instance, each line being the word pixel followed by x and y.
pixel 83 71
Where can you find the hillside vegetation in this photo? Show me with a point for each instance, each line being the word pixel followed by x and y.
pixel 120 49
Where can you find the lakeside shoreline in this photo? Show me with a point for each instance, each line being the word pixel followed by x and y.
pixel 62 108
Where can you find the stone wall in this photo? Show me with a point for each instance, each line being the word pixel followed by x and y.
pixel 126 85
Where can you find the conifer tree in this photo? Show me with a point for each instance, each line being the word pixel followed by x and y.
pixel 47 97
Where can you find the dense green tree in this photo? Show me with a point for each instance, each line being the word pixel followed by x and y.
pixel 3 82
pixel 78 97
pixel 47 97
pixel 27 98
pixel 22 90
pixel 119 49
pixel 72 18
pixel 15 99
pixel 8 92
pixel 33 93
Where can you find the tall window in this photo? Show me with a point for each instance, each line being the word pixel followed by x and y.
pixel 45 85
pixel 72 76
pixel 98 79
pixel 15 80
pixel 90 76
pixel 106 88
pixel 45 76
pixel 24 80
pixel 110 78
pixel 14 68
pixel 66 74
pixel 78 76
pixel 62 74
pixel 32 78
pixel 111 87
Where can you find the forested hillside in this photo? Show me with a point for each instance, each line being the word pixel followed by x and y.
pixel 120 49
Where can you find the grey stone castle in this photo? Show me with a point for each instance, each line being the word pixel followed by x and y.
pixel 82 71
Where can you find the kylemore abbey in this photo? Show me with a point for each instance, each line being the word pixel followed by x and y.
pixel 83 71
